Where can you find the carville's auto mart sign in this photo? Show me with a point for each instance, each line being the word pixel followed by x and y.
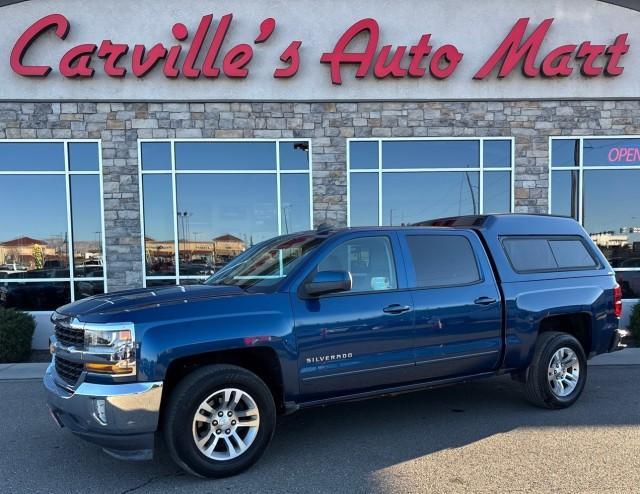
pixel 312 50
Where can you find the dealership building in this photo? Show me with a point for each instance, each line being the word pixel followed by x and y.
pixel 147 143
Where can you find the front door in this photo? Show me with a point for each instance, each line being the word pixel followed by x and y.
pixel 456 301
pixel 361 339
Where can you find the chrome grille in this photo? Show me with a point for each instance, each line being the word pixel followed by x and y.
pixel 67 336
pixel 67 370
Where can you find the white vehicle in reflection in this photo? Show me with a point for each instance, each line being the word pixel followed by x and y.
pixel 11 268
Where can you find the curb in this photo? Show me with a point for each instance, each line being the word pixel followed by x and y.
pixel 13 372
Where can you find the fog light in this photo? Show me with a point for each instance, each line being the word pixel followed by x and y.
pixel 100 411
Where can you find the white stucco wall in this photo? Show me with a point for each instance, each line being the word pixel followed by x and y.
pixel 475 27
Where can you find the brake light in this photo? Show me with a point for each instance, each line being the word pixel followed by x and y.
pixel 617 301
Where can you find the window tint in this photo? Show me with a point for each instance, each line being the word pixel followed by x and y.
pixel 530 254
pixel 442 260
pixel 547 254
pixel 369 260
pixel 571 254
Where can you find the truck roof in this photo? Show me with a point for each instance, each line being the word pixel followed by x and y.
pixel 512 224
pixel 490 224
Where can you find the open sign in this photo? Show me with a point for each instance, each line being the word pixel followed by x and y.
pixel 613 151
pixel 624 154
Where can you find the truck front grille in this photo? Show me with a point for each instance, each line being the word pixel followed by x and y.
pixel 67 370
pixel 67 336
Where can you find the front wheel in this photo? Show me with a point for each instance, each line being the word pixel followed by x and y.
pixel 219 421
pixel 558 372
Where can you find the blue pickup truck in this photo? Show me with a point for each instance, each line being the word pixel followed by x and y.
pixel 329 315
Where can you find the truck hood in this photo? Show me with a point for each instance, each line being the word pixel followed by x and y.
pixel 130 300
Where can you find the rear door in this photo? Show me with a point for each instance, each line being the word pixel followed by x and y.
pixel 456 303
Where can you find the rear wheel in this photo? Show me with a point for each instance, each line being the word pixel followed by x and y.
pixel 219 421
pixel 558 372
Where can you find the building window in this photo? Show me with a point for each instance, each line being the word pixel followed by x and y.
pixel 596 180
pixel 52 227
pixel 404 181
pixel 206 201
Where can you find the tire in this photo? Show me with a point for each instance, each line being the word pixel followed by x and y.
pixel 545 388
pixel 188 419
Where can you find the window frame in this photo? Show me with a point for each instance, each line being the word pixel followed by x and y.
pixel 380 170
pixel 596 266
pixel 174 171
pixel 67 173
pixel 581 169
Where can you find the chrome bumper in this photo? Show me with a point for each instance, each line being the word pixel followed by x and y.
pixel 120 417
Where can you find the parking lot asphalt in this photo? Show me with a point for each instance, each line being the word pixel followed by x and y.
pixel 475 437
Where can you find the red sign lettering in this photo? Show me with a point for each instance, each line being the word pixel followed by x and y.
pixel 387 61
pixel 515 50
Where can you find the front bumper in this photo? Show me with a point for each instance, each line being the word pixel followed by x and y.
pixel 122 418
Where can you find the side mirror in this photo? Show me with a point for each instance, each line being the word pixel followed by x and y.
pixel 325 282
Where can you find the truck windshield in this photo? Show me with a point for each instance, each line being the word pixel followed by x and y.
pixel 268 263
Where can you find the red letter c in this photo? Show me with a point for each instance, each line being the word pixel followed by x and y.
pixel 61 25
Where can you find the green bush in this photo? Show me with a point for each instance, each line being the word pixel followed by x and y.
pixel 16 331
pixel 634 322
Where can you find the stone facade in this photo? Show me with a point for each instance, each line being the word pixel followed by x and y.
pixel 120 125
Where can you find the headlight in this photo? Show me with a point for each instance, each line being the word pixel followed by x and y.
pixel 111 349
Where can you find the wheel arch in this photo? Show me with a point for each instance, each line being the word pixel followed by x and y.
pixel 262 361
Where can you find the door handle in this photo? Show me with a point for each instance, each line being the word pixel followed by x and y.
pixel 484 301
pixel 396 309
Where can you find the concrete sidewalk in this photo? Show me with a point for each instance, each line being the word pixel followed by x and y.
pixel 11 372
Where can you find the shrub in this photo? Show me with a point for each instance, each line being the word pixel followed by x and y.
pixel 634 322
pixel 16 331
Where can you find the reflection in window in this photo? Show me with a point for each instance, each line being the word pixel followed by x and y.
pixel 363 200
pixel 610 210
pixel 49 239
pixel 219 216
pixel 32 156
pixel 564 193
pixel 415 184
pixel 369 260
pixel 565 152
pixel 158 225
pixel 431 154
pixel 218 155
pixel 611 214
pixel 294 155
pixel 363 155
pixel 295 202
pixel 226 200
pixel 497 153
pixel 497 192
pixel 411 197
pixel 87 226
